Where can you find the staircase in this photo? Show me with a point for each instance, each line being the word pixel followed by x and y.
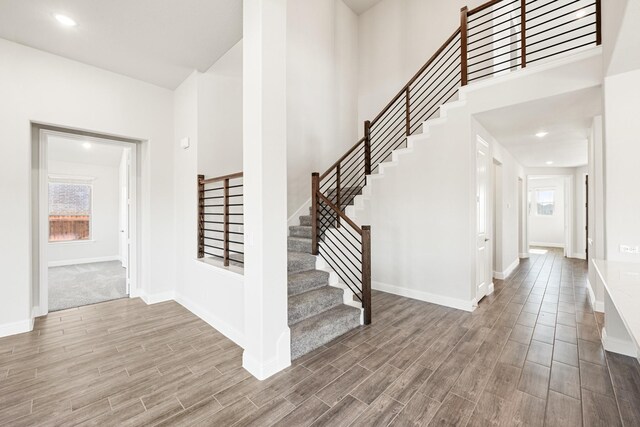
pixel 316 314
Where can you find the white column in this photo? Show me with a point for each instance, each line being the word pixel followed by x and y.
pixel 267 337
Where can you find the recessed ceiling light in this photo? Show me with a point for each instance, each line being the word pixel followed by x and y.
pixel 65 20
pixel 549 162
pixel 581 13
pixel 542 134
pixel 86 145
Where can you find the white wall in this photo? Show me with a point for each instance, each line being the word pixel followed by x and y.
pixel 396 38
pixel 597 243
pixel 622 151
pixel 505 239
pixel 49 89
pixel 105 233
pixel 423 235
pixel 547 230
pixel 220 115
pixel 208 111
pixel 322 52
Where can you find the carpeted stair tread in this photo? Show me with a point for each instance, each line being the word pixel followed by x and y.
pixel 311 303
pixel 315 331
pixel 305 220
pixel 298 261
pixel 305 281
pixel 299 244
pixel 300 231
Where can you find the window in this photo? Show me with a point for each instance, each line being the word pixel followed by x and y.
pixel 69 211
pixel 545 203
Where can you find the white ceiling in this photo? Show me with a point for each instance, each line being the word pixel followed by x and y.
pixel 360 6
pixel 567 119
pixel 160 42
pixel 72 150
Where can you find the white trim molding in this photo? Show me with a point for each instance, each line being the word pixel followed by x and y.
pixel 523 255
pixel 597 305
pixel 221 326
pixel 150 299
pixel 547 245
pixel 501 275
pixel 491 288
pixel 459 304
pixel 14 328
pixel 615 345
pixel 83 261
pixel 302 211
pixel 579 256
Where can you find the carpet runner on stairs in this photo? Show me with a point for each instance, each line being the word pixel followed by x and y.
pixel 317 314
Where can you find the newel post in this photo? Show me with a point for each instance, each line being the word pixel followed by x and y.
pixel 463 45
pixel 366 273
pixel 315 187
pixel 367 147
pixel 200 216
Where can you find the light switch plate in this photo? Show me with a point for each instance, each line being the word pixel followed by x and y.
pixel 184 142
pixel 625 249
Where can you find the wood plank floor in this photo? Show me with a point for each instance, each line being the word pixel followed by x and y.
pixel 529 355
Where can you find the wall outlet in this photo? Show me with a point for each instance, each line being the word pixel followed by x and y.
pixel 625 249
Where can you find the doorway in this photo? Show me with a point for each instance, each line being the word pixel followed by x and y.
pixel 86 210
pixel 483 260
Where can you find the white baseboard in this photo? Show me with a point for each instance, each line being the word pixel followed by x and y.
pixel 221 326
pixel 16 327
pixel 523 254
pixel 579 256
pixel 459 304
pixel 83 261
pixel 614 345
pixel 302 210
pixel 501 275
pixel 547 245
pixel 157 298
pixel 597 305
pixel 491 288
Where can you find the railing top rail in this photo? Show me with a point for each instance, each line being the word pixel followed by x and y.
pixel 416 75
pixel 340 213
pixel 483 7
pixel 344 156
pixel 222 178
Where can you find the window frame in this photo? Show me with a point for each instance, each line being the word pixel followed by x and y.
pixel 536 191
pixel 74 180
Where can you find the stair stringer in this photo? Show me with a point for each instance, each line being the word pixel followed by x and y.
pixel 359 210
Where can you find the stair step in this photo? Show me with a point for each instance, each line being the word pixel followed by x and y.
pixel 305 281
pixel 308 304
pixel 318 330
pixel 299 244
pixel 298 261
pixel 300 231
pixel 305 220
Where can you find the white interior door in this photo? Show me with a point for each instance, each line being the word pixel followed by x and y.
pixel 125 213
pixel 482 240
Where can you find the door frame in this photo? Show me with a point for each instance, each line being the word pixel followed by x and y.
pixel 488 268
pixel 43 212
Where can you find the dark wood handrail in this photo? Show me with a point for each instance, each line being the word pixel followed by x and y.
pixel 340 213
pixel 223 177
pixel 416 75
pixel 344 156
pixel 482 7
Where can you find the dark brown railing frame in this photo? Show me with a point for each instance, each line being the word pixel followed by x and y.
pixel 338 185
pixel 224 194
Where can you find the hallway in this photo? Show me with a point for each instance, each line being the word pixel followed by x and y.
pixel 529 353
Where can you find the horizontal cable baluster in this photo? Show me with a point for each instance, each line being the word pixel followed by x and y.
pixel 531 11
pixel 559 35
pixel 561 43
pixel 446 85
pixel 498 71
pixel 493 18
pixel 213 255
pixel 434 71
pixel 493 65
pixel 590 24
pixel 213 197
pixel 420 103
pixel 437 81
pixel 493 54
pixel 342 245
pixel 573 12
pixel 327 246
pixel 335 266
pixel 470 42
pixel 507 21
pixel 213 247
pixel 347 228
